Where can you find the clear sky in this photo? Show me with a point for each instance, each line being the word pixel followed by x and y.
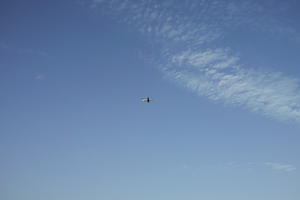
pixel 224 123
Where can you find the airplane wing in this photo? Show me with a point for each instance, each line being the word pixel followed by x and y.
pixel 146 99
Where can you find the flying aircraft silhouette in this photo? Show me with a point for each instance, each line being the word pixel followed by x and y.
pixel 148 100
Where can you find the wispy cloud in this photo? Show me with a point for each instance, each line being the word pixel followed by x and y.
pixel 40 77
pixel 189 34
pixel 22 51
pixel 258 166
pixel 281 167
pixel 220 76
pixel 197 19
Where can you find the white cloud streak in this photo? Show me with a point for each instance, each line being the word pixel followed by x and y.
pixel 22 51
pixel 281 167
pixel 255 165
pixel 184 31
pixel 40 77
pixel 220 77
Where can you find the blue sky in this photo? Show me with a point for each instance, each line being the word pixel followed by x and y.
pixel 225 119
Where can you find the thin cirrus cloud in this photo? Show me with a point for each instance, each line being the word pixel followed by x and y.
pixel 220 77
pixel 188 34
pixel 281 167
pixel 40 77
pixel 22 51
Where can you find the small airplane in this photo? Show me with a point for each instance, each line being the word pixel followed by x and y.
pixel 146 100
